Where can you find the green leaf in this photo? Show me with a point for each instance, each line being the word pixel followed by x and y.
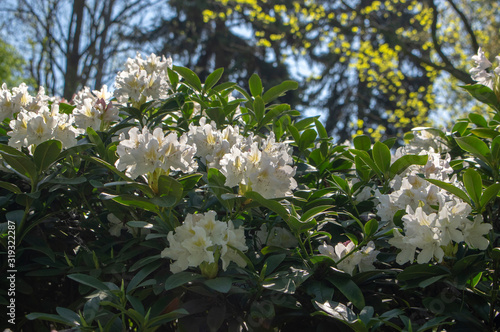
pixel 220 284
pixel 362 142
pixel 255 85
pixel 474 185
pixel 451 188
pixel 321 129
pixel 172 315
pixel 110 167
pixel 307 138
pixel 173 78
pixel 213 78
pixel 421 272
pixel 478 120
pixel 401 164
pixel 371 227
pixel 484 94
pixel 50 318
pixel 11 187
pixel 142 274
pixel 341 184
pixel 168 186
pixel 475 146
pixel 189 181
pixel 46 153
pixel 274 113
pixel 191 78
pixel 297 225
pixel 224 86
pixel 180 279
pixel 488 194
pixel 279 90
pixel 460 127
pixel 89 281
pixel 96 139
pixel 20 162
pixel 141 186
pixel 270 204
pixel 382 157
pixel 259 108
pixel 135 201
pixel 315 211
pixel 365 157
pixel 350 290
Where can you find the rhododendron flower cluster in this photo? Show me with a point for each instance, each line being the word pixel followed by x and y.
pixel 363 258
pixel 200 239
pixel 143 80
pixel 251 163
pixel 35 127
pixel 434 219
pixel 94 109
pixel 142 152
pixel 480 73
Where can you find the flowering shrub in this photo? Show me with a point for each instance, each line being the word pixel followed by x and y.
pixel 175 205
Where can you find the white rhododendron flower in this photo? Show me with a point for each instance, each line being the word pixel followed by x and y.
pixel 202 238
pixel 94 109
pixel 479 73
pixel 363 258
pixel 143 80
pixel 13 102
pixel 430 233
pixel 33 128
pixel 251 163
pixel 143 152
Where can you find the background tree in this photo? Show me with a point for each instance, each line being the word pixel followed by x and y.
pixel 370 66
pixel 75 43
pixel 11 65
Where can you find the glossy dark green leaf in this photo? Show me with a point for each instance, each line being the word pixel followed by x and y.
pixel 279 90
pixel 168 186
pixel 142 274
pixel 96 139
pixel 478 120
pixel 402 163
pixel 270 204
pixel 46 153
pixel 180 279
pixel 259 108
pixel 136 201
pixel 362 142
pixel 219 284
pixel 484 94
pixel 255 85
pixel 473 184
pixel 10 186
pixel 189 76
pixel 350 290
pixel 213 78
pixel 488 194
pixel 110 167
pixel 382 157
pixel 89 281
pixel 323 134
pixel 173 78
pixel 371 227
pixel 475 146
pixel 307 138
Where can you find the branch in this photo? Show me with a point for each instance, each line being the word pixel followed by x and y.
pixel 467 26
